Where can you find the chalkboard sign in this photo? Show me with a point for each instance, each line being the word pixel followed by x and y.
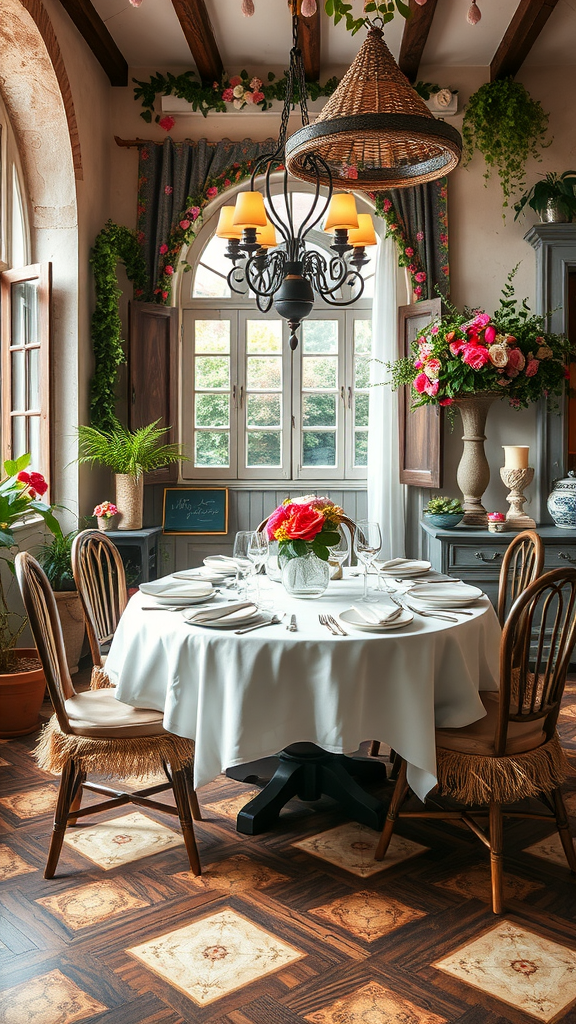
pixel 202 510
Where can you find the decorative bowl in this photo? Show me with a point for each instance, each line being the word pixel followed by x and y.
pixel 444 520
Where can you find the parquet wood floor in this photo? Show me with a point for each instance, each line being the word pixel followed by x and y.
pixel 273 932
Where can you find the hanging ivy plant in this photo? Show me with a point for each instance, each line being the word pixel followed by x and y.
pixel 384 9
pixel 114 244
pixel 504 123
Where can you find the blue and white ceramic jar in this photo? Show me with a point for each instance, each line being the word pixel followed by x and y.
pixel 562 502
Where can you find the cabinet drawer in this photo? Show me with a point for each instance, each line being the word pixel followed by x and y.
pixel 558 556
pixel 484 557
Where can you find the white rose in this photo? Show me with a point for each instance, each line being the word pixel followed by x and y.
pixel 498 355
pixel 238 91
pixel 544 352
pixel 239 104
pixel 444 98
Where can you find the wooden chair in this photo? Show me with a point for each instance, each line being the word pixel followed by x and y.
pixel 514 752
pixel 101 583
pixel 94 732
pixel 522 563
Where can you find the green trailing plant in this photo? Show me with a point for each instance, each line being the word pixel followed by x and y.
pixel 507 126
pixel 114 244
pixel 56 560
pixel 552 188
pixel 339 10
pixel 442 506
pixel 132 452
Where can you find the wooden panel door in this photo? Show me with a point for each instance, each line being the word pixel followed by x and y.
pixel 420 429
pixel 153 374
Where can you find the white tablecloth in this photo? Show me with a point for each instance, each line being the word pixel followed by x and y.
pixel 245 697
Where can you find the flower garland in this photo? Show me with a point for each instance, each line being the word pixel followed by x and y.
pixel 408 256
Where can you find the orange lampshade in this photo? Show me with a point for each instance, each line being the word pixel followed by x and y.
pixel 267 236
pixel 364 234
pixel 342 214
pixel 226 228
pixel 249 211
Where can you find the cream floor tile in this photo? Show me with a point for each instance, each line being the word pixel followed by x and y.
pixel 352 847
pixel 48 999
pixel 475 882
pixel 522 969
pixel 368 915
pixel 121 840
pixel 234 874
pixel 549 849
pixel 11 864
pixel 215 955
pixel 229 808
pixel 31 803
pixel 89 904
pixel 373 1004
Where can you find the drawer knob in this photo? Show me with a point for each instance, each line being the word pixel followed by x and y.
pixel 488 558
pixel 567 557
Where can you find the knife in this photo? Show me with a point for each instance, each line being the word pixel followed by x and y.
pixel 292 626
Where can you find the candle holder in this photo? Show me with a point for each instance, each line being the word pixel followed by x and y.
pixel 517 480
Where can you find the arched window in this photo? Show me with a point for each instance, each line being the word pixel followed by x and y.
pixel 253 410
pixel 14 232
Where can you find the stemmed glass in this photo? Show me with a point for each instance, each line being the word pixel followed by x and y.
pixel 242 558
pixel 367 544
pixel 339 552
pixel 258 553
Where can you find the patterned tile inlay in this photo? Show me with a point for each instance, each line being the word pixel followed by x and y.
pixel 121 840
pixel 215 956
pixel 92 903
pixel 32 803
pixel 11 864
pixel 235 874
pixel 373 1004
pixel 475 882
pixel 352 847
pixel 48 999
pixel 368 915
pixel 229 808
pixel 550 849
pixel 519 967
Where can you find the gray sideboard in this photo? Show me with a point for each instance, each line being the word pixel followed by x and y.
pixel 475 556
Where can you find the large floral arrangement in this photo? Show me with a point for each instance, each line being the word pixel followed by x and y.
pixel 301 525
pixel 509 352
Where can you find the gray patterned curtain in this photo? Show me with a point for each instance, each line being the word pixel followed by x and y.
pixel 417 218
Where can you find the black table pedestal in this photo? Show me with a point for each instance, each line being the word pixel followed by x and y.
pixel 307 771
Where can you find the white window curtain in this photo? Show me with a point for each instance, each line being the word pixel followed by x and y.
pixel 386 495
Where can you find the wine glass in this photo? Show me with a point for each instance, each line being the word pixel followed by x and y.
pixel 367 544
pixel 258 553
pixel 241 558
pixel 339 552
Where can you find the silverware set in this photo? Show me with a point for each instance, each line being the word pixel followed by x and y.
pixel 332 624
pixel 260 625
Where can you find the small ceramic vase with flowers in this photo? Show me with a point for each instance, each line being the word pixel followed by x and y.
pixel 496 522
pixel 105 513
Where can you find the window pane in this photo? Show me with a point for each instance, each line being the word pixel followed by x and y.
pixel 212 411
pixel 263 448
pixel 264 373
pixel 24 313
pixel 209 285
pixel 363 337
pixel 318 372
pixel 319 410
pixel 212 336
pixel 361 448
pixel 264 335
pixel 213 258
pixel 320 336
pixel 361 410
pixel 18 436
pixel 212 372
pixel 211 449
pixel 33 378
pixel 18 255
pixel 263 411
pixel 34 442
pixel 318 449
pixel 361 372
pixel 18 380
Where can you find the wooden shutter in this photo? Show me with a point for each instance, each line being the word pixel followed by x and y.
pixel 153 374
pixel 420 429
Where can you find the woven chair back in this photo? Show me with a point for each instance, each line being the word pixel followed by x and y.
pixel 42 611
pixel 523 562
pixel 101 582
pixel 537 643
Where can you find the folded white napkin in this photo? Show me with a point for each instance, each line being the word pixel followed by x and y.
pixel 216 612
pixel 168 586
pixel 379 614
pixel 220 562
pixel 401 565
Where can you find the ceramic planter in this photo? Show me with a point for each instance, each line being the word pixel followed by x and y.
pixel 444 520
pixel 21 696
pixel 73 626
pixel 562 502
pixel 106 523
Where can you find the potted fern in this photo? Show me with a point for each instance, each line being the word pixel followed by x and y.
pixel 129 454
pixel 56 560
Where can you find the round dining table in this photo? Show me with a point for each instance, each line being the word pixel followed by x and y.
pixel 249 696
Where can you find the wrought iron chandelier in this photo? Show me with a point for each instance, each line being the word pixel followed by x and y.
pixel 287 274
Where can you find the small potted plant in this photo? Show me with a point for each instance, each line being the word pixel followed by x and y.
pixel 56 560
pixel 553 198
pixel 104 513
pixel 445 513
pixel 497 522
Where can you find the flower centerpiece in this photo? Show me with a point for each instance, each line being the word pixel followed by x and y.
pixel 305 528
pixel 104 513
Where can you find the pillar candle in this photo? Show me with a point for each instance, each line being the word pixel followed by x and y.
pixel 516 456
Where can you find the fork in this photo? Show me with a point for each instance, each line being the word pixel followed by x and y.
pixel 426 615
pixel 323 620
pixel 334 622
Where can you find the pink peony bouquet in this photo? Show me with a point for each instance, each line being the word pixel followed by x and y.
pixel 105 510
pixel 509 352
pixel 305 524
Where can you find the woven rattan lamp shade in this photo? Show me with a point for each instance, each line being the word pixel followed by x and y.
pixel 375 132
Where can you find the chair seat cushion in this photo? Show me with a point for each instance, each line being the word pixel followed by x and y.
pixel 98 713
pixel 478 738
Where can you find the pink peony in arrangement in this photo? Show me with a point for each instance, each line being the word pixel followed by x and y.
pixel 305 524
pixel 105 510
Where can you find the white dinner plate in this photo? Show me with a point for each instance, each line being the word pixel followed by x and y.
pixel 223 563
pixel 184 599
pixel 349 617
pixel 233 621
pixel 170 591
pixel 444 595
pixel 404 568
pixel 203 574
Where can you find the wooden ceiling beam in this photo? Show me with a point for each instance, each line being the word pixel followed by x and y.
pixel 522 32
pixel 195 22
pixel 309 43
pixel 92 28
pixel 414 38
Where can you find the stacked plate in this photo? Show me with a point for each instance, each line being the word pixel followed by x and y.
pixel 443 595
pixel 378 618
pixel 173 591
pixel 230 616
pixel 404 568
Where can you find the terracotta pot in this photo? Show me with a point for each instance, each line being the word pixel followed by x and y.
pixel 129 501
pixel 73 625
pixel 21 697
pixel 473 474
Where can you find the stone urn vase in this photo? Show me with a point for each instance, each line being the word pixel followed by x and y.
pixel 473 474
pixel 129 501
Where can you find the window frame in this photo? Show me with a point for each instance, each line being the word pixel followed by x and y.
pixel 10 176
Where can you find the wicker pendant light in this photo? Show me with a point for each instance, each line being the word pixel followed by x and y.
pixel 375 132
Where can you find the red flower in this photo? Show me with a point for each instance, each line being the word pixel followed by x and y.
pixel 212 191
pixel 475 356
pixel 445 269
pixel 257 96
pixel 144 154
pixel 489 334
pixel 418 290
pixel 227 182
pixel 304 523
pixel 38 483
pixel 420 383
pixel 23 477
pixel 446 401
pixel 532 367
pixel 432 388
pixel 279 516
pixel 167 123
pixel 164 296
pixel 412 268
pixel 168 190
pixel 235 80
pixel 138 291
pixel 141 237
pixel 420 277
pixel 169 270
pixel 32 493
pixel 420 236
pixel 386 205
pixel 444 238
pixel 409 250
pixel 184 224
pixel 163 249
pixel 228 95
pixel 566 373
pixel 457 346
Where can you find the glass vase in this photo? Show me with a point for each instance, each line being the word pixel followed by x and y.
pixel 305 576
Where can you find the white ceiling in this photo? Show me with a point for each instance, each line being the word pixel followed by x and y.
pixel 150 35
